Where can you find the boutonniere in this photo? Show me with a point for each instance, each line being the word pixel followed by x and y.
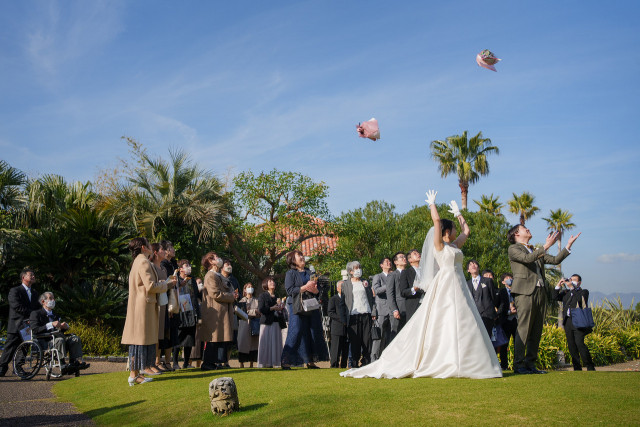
pixel 483 285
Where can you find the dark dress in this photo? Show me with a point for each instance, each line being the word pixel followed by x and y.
pixel 305 339
pixel 172 321
pixel 187 330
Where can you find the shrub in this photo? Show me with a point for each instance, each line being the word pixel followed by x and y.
pixel 552 341
pixel 629 341
pixel 94 303
pixel 604 349
pixel 98 339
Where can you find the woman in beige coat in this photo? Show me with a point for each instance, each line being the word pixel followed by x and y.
pixel 141 325
pixel 217 314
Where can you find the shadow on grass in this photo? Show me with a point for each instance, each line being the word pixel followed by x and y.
pixel 101 411
pixel 204 374
pixel 253 407
pixel 45 420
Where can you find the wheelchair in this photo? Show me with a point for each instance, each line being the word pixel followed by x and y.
pixel 30 357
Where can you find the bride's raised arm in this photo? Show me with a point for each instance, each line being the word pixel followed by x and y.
pixel 437 228
pixel 464 234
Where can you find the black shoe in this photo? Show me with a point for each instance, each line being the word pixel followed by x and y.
pixel 65 369
pixel 591 368
pixel 3 371
pixel 206 367
pixel 286 368
pixel 522 371
pixel 536 371
pixel 577 368
pixel 312 367
pixel 83 365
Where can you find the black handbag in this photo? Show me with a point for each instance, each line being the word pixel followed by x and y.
pixel 254 326
pixel 376 333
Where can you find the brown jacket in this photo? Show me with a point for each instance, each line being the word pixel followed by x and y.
pixel 525 267
pixel 216 310
pixel 141 325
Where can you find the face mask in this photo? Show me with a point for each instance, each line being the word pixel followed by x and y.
pixel 508 282
pixel 575 284
pixel 51 304
pixel 249 291
pixel 357 273
pixel 228 269
pixel 200 286
pixel 187 270
pixel 219 262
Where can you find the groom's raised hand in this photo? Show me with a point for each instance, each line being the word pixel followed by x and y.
pixel 572 239
pixel 551 239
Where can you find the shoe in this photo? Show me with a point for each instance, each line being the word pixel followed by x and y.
pixel 145 372
pixel 312 367
pixel 166 367
pixel 206 367
pixel 3 371
pixel 225 366
pixel 591 368
pixel 65 369
pixel 159 367
pixel 536 371
pixel 83 365
pixel 522 371
pixel 187 367
pixel 134 380
pixel 285 368
pixel 176 367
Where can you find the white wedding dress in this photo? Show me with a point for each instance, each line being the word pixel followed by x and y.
pixel 445 337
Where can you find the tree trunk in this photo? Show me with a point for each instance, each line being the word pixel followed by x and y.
pixel 464 191
pixel 522 219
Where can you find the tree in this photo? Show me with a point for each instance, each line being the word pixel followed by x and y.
pixel 560 221
pixel 274 213
pixel 522 205
pixel 162 192
pixel 465 157
pixel 11 180
pixel 490 205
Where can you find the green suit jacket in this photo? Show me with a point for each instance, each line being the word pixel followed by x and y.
pixel 523 266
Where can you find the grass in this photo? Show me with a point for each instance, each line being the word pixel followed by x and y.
pixel 322 397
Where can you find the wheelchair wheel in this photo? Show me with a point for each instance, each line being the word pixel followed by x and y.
pixel 52 366
pixel 27 360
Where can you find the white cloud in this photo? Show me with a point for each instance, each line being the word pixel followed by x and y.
pixel 622 256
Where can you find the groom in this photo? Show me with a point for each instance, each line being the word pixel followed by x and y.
pixel 529 291
pixel 408 287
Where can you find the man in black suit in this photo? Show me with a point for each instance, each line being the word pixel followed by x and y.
pixel 507 317
pixel 484 295
pixel 22 300
pixel 408 285
pixel 571 297
pixel 395 301
pixel 337 311
pixel 45 321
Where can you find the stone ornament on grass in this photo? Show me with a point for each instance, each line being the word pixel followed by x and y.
pixel 224 396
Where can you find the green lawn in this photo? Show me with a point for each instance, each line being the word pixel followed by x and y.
pixel 322 397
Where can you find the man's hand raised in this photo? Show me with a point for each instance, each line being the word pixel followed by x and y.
pixel 572 239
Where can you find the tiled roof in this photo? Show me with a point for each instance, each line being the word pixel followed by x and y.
pixel 313 245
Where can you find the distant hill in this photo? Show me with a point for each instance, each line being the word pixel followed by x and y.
pixel 597 297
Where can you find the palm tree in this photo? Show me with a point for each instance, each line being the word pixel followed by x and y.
pixel 11 179
pixel 162 192
pixel 560 221
pixel 466 157
pixel 523 205
pixel 490 205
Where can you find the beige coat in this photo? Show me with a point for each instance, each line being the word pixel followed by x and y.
pixel 141 325
pixel 216 310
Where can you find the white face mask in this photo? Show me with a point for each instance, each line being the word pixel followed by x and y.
pixel 187 270
pixel 357 273
pixel 250 291
pixel 574 283
pixel 228 269
pixel 219 262
pixel 51 304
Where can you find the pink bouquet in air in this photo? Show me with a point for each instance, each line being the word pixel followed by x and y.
pixel 369 129
pixel 486 59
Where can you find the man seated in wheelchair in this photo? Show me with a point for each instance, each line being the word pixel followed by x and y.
pixel 45 321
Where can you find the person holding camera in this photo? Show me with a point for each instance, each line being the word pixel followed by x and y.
pixel 572 296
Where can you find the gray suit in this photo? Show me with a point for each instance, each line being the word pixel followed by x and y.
pixel 379 285
pixel 395 301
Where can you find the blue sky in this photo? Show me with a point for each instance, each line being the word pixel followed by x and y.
pixel 262 85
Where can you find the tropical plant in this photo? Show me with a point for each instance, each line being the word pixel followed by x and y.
pixel 11 180
pixel 522 205
pixel 560 221
pixel 490 205
pixel 467 158
pixel 160 192
pixel 94 303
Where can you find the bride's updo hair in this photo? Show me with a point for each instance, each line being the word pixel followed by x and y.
pixel 446 225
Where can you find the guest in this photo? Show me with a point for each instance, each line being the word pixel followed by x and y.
pixel 573 296
pixel 22 300
pixel 483 292
pixel 359 301
pixel 229 280
pixel 45 321
pixel 379 287
pixel 395 301
pixel 247 341
pixel 170 264
pixel 196 351
pixel 189 315
pixel 408 284
pixel 271 322
pixel 217 314
pixel 305 339
pixel 141 324
pixel 164 326
pixel 338 314
pixel 507 317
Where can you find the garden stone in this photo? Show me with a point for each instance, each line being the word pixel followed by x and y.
pixel 224 396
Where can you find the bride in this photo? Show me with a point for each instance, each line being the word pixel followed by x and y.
pixel 445 337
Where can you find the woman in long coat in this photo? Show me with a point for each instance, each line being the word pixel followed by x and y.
pixel 141 325
pixel 217 313
pixel 247 343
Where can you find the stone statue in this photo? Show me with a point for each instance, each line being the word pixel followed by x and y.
pixel 224 396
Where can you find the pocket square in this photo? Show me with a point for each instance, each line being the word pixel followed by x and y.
pixel 483 285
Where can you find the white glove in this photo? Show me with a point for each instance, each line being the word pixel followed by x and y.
pixel 454 209
pixel 431 197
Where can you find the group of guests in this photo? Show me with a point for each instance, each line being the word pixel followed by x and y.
pixel 32 313
pixel 392 298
